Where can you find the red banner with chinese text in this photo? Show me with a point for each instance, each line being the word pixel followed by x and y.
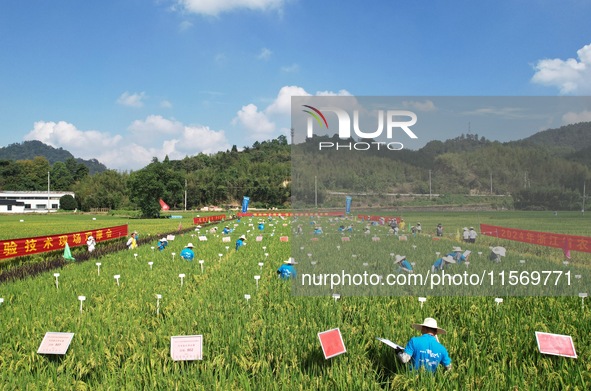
pixel 208 219
pixel 288 214
pixel 548 239
pixel 11 248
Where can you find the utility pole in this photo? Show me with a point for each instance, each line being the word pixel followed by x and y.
pixel 316 192
pixel 583 209
pixel 185 194
pixel 48 202
pixel 429 184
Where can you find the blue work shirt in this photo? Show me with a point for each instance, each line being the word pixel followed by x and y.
pixel 426 351
pixel 457 256
pixel 406 265
pixel 261 226
pixel 286 271
pixel 239 243
pixel 439 265
pixel 187 254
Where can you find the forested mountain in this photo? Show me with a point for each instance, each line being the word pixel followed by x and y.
pixel 569 138
pixel 28 150
pixel 536 173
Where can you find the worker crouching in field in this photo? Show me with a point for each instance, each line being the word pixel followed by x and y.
pixel 240 242
pixel 287 270
pixel 187 254
pixel 426 351
pixel 403 263
pixel 442 263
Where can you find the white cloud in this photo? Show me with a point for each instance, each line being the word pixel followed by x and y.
pixel 215 7
pixel 570 76
pixel 256 122
pixel 264 54
pixel 81 143
pixel 263 123
pixel 154 125
pixel 293 68
pixel 185 25
pixel 132 100
pixel 573 118
pixel 426 105
pixel 165 104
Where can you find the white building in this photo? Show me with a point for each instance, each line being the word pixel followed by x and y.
pixel 31 201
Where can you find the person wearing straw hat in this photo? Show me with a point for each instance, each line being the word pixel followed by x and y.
pixel 162 243
pixel 187 253
pixel 442 263
pixel 287 270
pixel 472 235
pixel 496 253
pixel 457 255
pixel 426 351
pixel 240 242
pixel 403 263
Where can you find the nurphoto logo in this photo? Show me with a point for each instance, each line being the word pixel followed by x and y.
pixel 393 119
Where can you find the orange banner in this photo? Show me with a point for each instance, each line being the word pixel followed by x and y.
pixel 548 239
pixel 41 244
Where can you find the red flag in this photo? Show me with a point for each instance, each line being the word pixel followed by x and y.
pixel 163 205
pixel 566 249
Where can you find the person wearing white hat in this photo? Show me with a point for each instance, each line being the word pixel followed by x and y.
pixel 287 270
pixel 457 255
pixel 403 263
pixel 187 253
pixel 162 243
pixel 426 351
pixel 91 243
pixel 466 235
pixel 240 242
pixel 442 263
pixel 496 253
pixel 472 235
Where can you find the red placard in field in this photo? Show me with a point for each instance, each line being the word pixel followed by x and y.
pixel 556 344
pixel 284 239
pixel 332 343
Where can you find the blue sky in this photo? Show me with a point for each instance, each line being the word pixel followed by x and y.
pixel 123 81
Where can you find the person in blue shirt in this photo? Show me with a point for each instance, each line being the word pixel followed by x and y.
pixel 287 271
pixel 426 351
pixel 457 255
pixel 403 263
pixel 317 230
pixel 240 242
pixel 226 230
pixel 442 263
pixel 261 226
pixel 187 254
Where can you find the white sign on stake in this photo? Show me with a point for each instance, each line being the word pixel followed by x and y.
pixel 117 277
pixel 422 300
pixel 582 295
pixel 55 343
pixel 201 263
pixel 186 347
pixel 56 275
pixel 182 276
pixel 98 265
pixel 158 297
pixel 81 298
pixel 150 263
pixel 498 300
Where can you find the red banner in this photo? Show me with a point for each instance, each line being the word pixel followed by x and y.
pixel 208 219
pixel 41 244
pixel 289 214
pixel 548 239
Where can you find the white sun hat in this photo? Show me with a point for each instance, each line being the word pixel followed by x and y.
pixel 449 259
pixel 290 261
pixel 190 245
pixel 431 323
pixel 399 258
